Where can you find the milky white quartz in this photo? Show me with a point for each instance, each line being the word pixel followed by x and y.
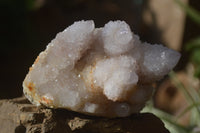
pixel 104 71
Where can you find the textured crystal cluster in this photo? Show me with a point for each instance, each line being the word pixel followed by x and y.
pixel 104 71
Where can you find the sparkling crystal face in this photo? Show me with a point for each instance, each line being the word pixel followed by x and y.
pixel 104 71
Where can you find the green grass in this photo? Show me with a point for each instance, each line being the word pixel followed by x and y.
pixel 191 95
pixel 171 122
pixel 193 46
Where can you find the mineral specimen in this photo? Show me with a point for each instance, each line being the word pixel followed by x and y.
pixel 104 71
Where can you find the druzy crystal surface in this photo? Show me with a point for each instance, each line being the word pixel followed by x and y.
pixel 104 71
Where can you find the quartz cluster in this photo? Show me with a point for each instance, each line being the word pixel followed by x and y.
pixel 104 71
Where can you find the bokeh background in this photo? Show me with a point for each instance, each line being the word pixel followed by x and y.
pixel 27 26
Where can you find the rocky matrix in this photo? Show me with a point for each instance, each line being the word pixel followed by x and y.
pixel 104 71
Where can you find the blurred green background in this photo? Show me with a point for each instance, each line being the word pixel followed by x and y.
pixel 27 26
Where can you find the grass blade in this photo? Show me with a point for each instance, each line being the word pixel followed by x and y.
pixel 189 108
pixel 192 13
pixel 168 119
pixel 193 44
pixel 187 94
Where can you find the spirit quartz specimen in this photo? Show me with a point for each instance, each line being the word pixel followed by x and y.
pixel 104 71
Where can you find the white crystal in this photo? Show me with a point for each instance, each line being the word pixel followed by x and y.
pixel 98 71
pixel 117 38
pixel 116 76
